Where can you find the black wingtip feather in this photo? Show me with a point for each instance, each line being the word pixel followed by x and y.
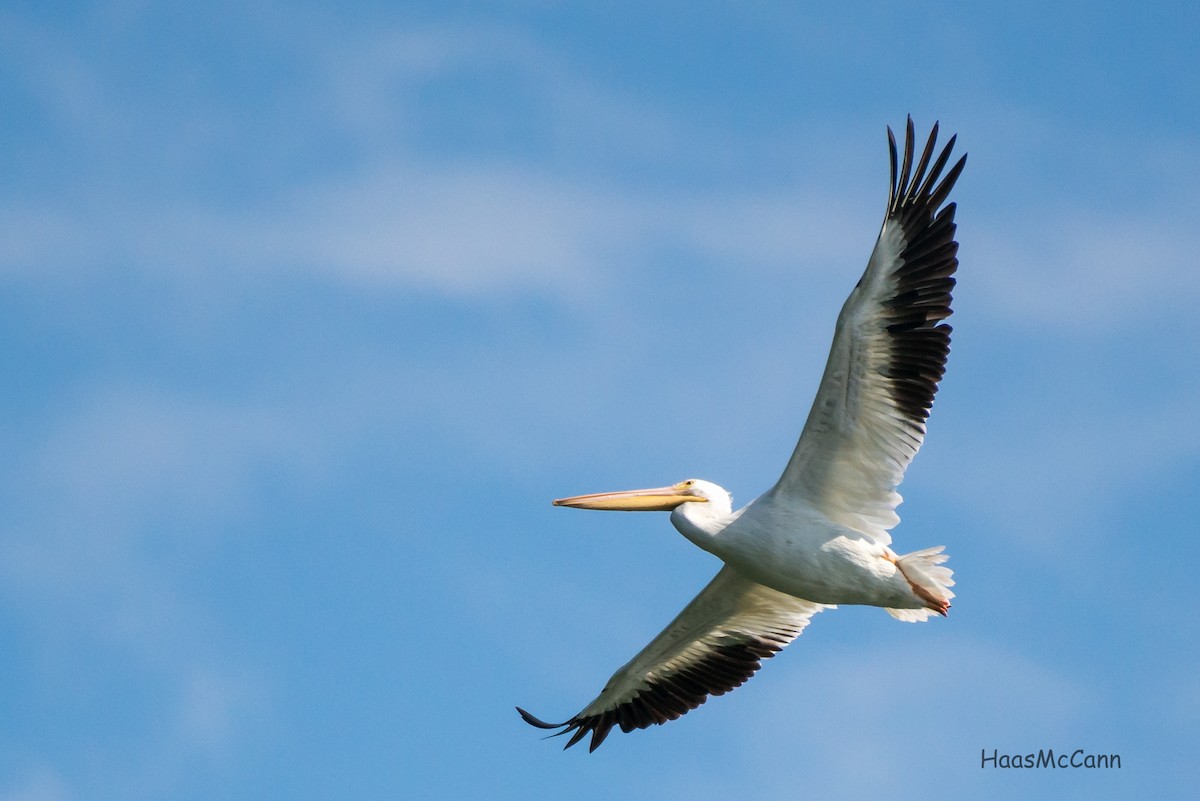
pixel 938 165
pixel 924 274
pixel 538 722
pixel 671 696
pixel 943 189
pixel 899 189
pixel 894 158
pixel 922 164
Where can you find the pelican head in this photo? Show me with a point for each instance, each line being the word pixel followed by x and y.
pixel 657 499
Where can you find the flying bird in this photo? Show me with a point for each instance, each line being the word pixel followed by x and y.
pixel 819 536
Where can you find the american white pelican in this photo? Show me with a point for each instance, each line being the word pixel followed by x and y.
pixel 819 537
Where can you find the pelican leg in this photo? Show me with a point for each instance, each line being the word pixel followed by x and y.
pixel 939 605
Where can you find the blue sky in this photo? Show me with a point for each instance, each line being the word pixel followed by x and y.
pixel 308 310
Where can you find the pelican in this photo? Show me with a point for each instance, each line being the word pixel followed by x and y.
pixel 819 536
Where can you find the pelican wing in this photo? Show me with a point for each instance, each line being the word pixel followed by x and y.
pixel 714 645
pixel 889 352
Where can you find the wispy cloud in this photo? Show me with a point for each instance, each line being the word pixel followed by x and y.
pixel 855 710
pixel 1087 274
pixel 38 784
pixel 111 513
pixel 395 213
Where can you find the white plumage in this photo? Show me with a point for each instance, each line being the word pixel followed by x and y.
pixel 819 537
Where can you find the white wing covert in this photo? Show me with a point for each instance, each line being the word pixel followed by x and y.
pixel 715 644
pixel 888 355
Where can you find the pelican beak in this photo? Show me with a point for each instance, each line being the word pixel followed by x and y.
pixel 659 499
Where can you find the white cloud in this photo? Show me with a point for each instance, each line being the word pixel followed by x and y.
pixel 460 231
pixel 392 216
pixel 395 216
pixel 463 230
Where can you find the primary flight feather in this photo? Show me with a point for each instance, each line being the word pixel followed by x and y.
pixel 819 537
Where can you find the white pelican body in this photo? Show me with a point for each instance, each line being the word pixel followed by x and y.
pixel 819 537
pixel 791 547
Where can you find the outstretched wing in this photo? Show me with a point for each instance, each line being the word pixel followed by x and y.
pixel 889 352
pixel 714 645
